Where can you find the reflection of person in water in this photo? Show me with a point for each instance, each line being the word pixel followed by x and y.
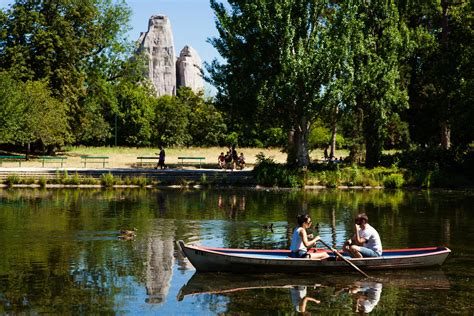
pixel 232 204
pixel 367 295
pixel 160 200
pixel 299 298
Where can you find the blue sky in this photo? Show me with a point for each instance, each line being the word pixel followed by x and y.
pixel 192 22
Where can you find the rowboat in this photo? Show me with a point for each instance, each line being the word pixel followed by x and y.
pixel 208 259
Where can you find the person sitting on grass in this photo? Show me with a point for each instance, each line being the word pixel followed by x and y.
pixel 300 241
pixel 221 160
pixel 366 240
pixel 241 161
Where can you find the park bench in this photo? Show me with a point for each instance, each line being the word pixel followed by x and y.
pixel 94 159
pixel 144 159
pixel 52 159
pixel 18 159
pixel 191 159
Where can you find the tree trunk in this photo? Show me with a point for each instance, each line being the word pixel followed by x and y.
pixel 357 147
pixel 445 30
pixel 373 150
pixel 298 154
pixel 291 148
pixel 333 132
pixel 445 135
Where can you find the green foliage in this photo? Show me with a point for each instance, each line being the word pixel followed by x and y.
pixel 30 114
pixel 320 137
pixel 206 124
pixel 278 57
pixel 42 182
pixel 274 137
pixel 140 181
pixel 13 179
pixel 394 181
pixel 332 175
pixel 136 105
pixel 108 179
pixel 172 121
pixel 64 43
pixel 441 72
pixel 10 112
pixel 374 90
pixel 269 173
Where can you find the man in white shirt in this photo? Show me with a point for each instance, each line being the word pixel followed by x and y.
pixel 366 240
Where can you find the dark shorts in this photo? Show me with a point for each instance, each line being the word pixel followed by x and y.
pixel 299 254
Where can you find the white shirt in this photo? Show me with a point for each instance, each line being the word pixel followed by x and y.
pixel 373 292
pixel 296 242
pixel 372 239
pixel 297 294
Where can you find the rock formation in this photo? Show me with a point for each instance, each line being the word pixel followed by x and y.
pixel 165 72
pixel 158 45
pixel 189 69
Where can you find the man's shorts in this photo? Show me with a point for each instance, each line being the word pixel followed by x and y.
pixel 367 253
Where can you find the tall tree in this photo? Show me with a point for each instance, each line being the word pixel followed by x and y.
pixel 278 56
pixel 69 44
pixel 378 43
pixel 29 114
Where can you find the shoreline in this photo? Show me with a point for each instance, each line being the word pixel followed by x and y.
pixel 93 178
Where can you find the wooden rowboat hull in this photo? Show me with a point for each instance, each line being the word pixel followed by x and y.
pixel 206 259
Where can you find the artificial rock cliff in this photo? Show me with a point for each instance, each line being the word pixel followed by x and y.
pixel 165 72
pixel 189 69
pixel 158 45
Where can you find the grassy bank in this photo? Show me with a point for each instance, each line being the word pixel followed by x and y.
pixel 333 175
pixel 126 157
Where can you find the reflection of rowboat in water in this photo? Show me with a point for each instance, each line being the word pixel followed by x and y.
pixel 206 259
pixel 225 283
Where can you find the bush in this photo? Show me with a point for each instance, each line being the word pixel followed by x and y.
pixel 13 179
pixel 28 180
pixel 42 182
pixel 90 180
pixel 140 181
pixel 74 180
pixel 269 173
pixel 394 181
pixel 107 179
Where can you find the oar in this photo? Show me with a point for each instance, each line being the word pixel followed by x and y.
pixel 339 255
pixel 342 257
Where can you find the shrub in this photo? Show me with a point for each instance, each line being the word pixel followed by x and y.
pixel 42 182
pixel 204 180
pixel 141 181
pixel 395 181
pixel 74 180
pixel 13 179
pixel 269 173
pixel 28 180
pixel 90 180
pixel 107 179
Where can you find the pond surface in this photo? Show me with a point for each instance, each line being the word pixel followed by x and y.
pixel 60 252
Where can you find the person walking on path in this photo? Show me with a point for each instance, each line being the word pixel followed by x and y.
pixel 161 159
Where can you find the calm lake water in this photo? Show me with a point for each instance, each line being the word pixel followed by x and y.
pixel 60 251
